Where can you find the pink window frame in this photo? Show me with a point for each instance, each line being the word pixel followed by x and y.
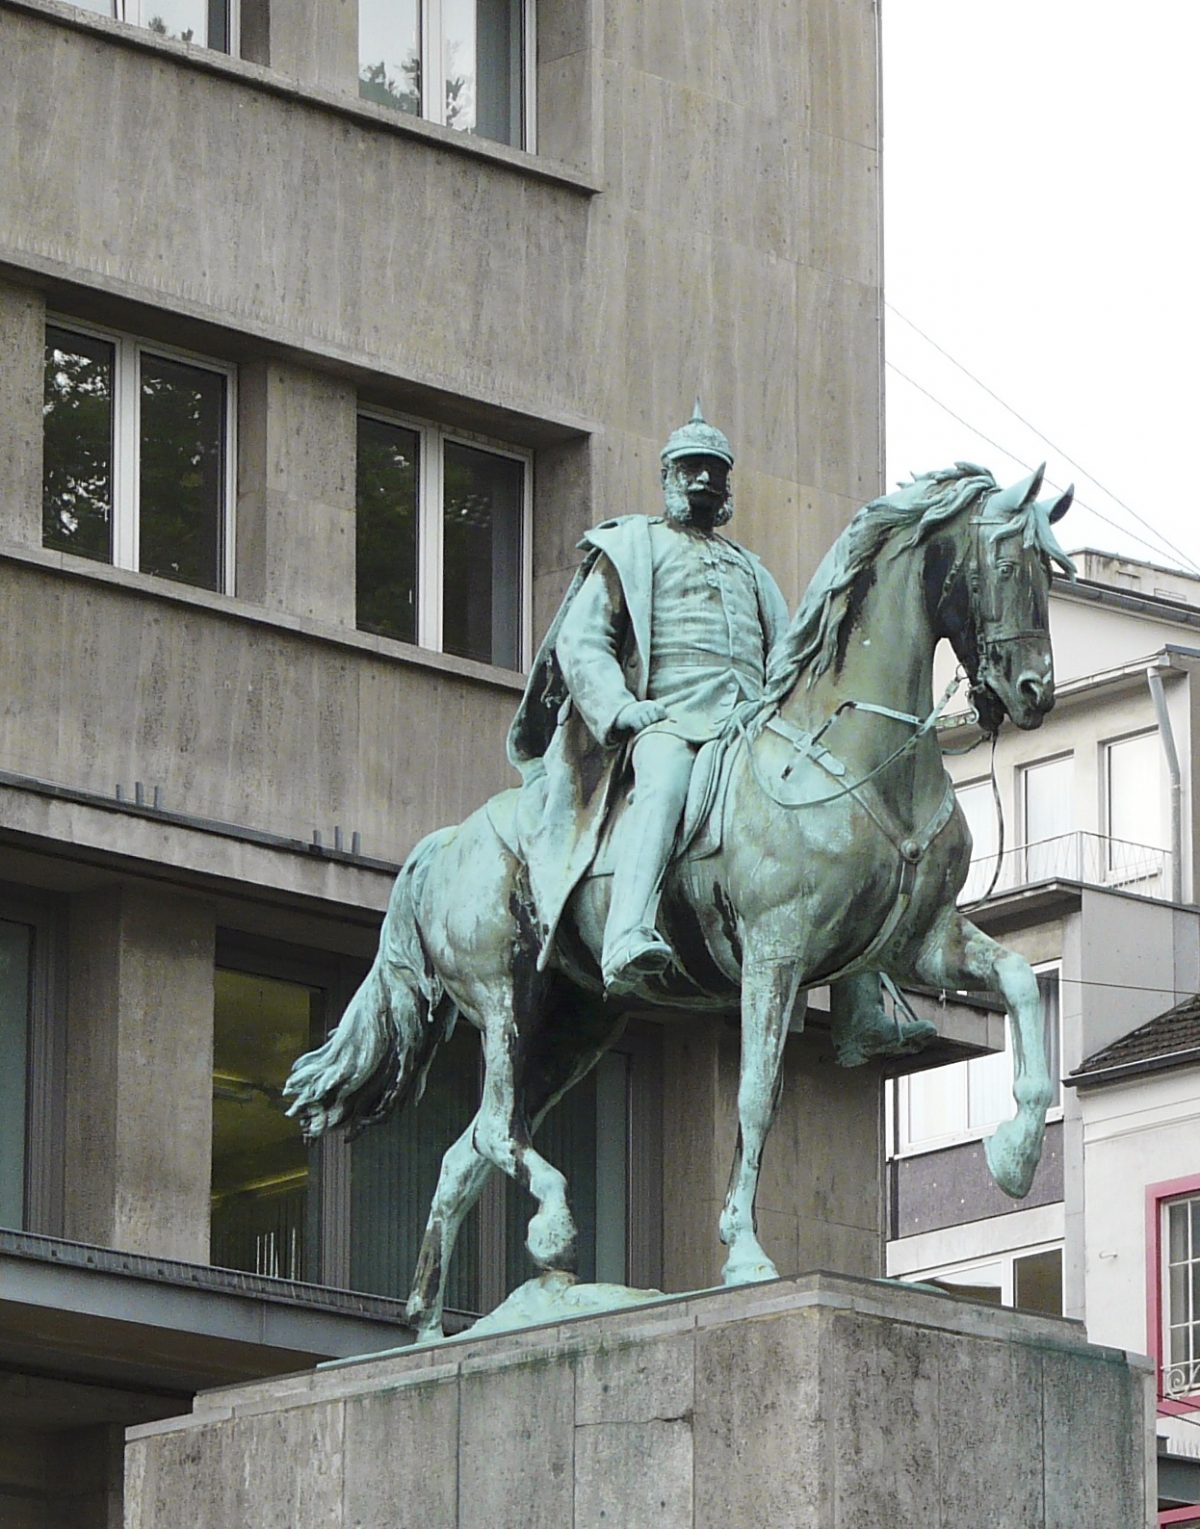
pixel 1178 1516
pixel 1156 1197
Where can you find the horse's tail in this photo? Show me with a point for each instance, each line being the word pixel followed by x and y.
pixel 379 1055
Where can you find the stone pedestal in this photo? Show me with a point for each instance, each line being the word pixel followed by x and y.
pixel 819 1401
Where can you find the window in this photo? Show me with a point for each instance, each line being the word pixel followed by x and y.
pixel 1030 1280
pixel 442 541
pixel 1173 1285
pixel 32 1064
pixel 1049 813
pixel 353 1215
pixel 16 960
pixel 138 456
pixel 967 1099
pixel 1134 807
pixel 203 22
pixel 463 63
pixel 265 1216
pixel 1181 1287
pixel 979 808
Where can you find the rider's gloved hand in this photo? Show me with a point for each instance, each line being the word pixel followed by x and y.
pixel 632 718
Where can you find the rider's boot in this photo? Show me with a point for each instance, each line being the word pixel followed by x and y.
pixel 633 948
pixel 861 1028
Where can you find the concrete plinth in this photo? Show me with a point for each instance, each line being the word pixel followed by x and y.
pixel 820 1401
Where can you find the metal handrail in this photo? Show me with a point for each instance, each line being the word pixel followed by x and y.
pixel 1093 859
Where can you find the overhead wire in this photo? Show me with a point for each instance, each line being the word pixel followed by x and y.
pixel 1013 456
pixel 1028 424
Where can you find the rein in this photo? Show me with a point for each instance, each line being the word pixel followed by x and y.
pixel 809 744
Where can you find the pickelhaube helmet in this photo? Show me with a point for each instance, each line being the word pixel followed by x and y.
pixel 697 439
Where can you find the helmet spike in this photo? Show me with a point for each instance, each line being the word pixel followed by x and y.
pixel 697 439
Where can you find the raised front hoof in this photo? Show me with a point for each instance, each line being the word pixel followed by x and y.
pixel 1012 1156
pixel 749 1268
pixel 882 1036
pixel 551 1241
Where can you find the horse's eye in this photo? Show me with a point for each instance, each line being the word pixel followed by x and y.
pixel 1006 570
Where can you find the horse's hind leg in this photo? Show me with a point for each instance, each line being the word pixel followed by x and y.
pixel 768 995
pixel 460 1183
pixel 502 1135
pixel 579 1043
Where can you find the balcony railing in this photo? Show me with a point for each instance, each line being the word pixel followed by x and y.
pixel 1092 858
pixel 1181 1378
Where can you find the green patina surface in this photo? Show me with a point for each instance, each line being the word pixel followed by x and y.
pixel 767 803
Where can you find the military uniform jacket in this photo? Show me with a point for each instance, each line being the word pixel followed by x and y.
pixel 565 743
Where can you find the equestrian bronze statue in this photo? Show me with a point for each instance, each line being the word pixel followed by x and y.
pixel 791 826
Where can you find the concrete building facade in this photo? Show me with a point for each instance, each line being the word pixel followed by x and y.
pixel 326 331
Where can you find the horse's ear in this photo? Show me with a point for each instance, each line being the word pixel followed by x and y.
pixel 1062 504
pixel 1033 485
pixel 1007 501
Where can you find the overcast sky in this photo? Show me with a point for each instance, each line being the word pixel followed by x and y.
pixel 1041 175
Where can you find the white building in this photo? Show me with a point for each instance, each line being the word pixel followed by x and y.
pixel 1092 878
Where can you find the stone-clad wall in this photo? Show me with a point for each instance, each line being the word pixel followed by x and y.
pixel 817 1403
pixel 720 233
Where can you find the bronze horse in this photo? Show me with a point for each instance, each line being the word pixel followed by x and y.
pixel 842 855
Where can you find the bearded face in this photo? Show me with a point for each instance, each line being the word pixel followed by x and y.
pixel 697 489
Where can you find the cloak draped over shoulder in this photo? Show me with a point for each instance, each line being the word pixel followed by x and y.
pixel 563 740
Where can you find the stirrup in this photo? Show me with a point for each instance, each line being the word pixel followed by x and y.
pixel 642 954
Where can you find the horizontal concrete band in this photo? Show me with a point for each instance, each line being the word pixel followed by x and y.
pixel 816 1401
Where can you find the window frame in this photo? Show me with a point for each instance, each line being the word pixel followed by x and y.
pixel 1158 1197
pixel 128 350
pixel 432 439
pixel 1114 875
pixel 45 1064
pixel 1025 775
pixel 431 43
pixel 119 11
pixel 902 1146
pixel 1007 1259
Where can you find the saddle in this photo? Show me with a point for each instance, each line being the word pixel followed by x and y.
pixel 701 831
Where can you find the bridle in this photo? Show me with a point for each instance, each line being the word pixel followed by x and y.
pixel 992 631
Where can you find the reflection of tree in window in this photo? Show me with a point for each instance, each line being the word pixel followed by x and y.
pixel 182 471
pixel 386 530
pixel 403 94
pixel 77 479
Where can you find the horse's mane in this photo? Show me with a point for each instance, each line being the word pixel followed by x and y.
pixel 885 528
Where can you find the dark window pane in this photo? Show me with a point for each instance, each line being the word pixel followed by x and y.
pixel 389 57
pixel 975 1285
pixel 182 471
pixel 483 62
pixel 394 1171
pixel 1037 1282
pixel 77 473
pixel 1177 1227
pixel 16 947
pixel 264 1198
pixel 481 552
pixel 386 530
